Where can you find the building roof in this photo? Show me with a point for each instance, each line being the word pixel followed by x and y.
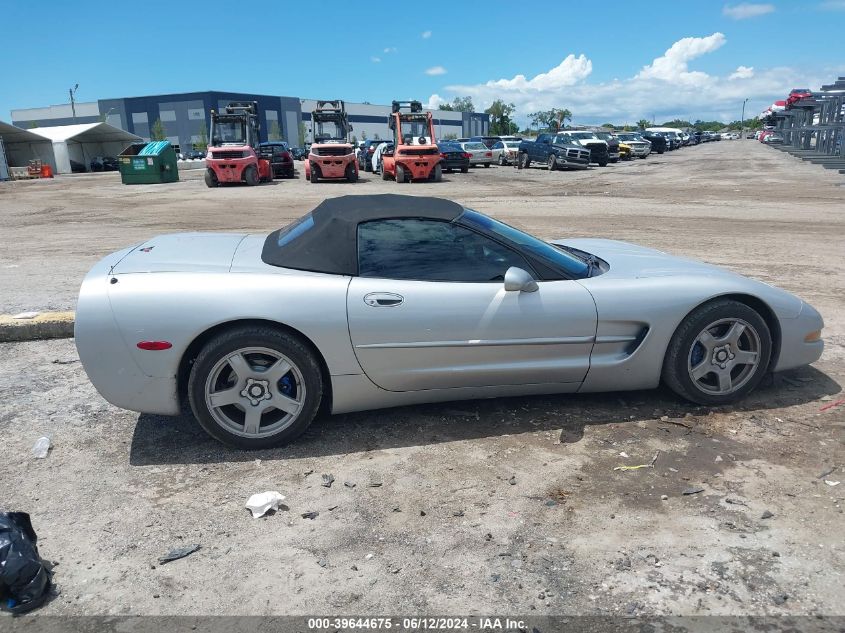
pixel 12 134
pixel 90 132
pixel 325 240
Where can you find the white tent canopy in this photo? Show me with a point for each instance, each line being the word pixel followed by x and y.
pixel 83 141
pixel 22 146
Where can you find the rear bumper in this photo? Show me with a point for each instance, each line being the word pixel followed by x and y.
pixel 332 166
pixel 229 169
pixel 106 357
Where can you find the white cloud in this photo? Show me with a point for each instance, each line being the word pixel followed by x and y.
pixel 434 102
pixel 673 64
pixel 742 72
pixel 666 88
pixel 425 35
pixel 375 59
pixel 435 70
pixel 746 10
pixel 390 49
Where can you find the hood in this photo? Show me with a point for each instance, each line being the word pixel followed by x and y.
pixel 632 261
pixel 181 252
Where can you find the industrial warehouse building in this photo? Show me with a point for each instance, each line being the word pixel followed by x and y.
pixel 185 117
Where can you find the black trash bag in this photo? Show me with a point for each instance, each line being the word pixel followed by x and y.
pixel 24 577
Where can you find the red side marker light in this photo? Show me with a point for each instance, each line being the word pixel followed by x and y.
pixel 155 346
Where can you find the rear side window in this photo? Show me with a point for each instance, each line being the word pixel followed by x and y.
pixel 431 250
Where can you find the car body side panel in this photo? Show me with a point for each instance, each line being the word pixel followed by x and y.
pixel 178 307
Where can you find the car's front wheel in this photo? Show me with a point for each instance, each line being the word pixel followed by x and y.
pixel 524 161
pixel 501 160
pixel 255 387
pixel 718 354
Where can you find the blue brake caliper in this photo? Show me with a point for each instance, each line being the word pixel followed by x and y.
pixel 287 386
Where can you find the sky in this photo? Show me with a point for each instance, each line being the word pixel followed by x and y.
pixel 614 61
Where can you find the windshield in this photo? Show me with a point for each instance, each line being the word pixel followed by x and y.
pixel 413 131
pixel 229 133
pixel 558 258
pixel 512 144
pixel 475 146
pixel 582 135
pixel 562 139
pixel 325 130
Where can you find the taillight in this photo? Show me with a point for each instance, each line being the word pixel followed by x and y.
pixel 443 156
pixel 489 154
pixel 467 155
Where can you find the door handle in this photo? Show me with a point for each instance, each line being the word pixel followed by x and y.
pixel 383 299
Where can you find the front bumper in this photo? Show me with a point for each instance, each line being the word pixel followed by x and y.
pixel 572 163
pixel 795 351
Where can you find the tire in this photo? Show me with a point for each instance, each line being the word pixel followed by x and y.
pixel 486 165
pixel 211 179
pixel 384 174
pixel 501 160
pixel 614 160
pixel 400 174
pixel 257 348
pixel 351 174
pixel 660 151
pixel 551 163
pixel 524 161
pixel 315 174
pixel 437 173
pixel 251 175
pixel 643 157
pixel 734 331
pixel 464 170
pixel 289 173
pixel 603 163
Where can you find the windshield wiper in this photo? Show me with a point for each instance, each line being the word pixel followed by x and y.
pixel 592 264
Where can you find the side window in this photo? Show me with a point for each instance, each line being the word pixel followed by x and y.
pixel 430 250
pixel 499 145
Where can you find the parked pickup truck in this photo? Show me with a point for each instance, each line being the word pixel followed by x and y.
pixel 556 151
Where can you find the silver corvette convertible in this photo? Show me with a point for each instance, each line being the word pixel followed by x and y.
pixel 378 301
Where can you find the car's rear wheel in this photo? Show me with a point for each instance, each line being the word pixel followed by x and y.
pixel 400 174
pixel 524 161
pixel 251 175
pixel 718 354
pixel 255 387
pixel 211 178
pixel 551 163
pixel 486 165
pixel 464 170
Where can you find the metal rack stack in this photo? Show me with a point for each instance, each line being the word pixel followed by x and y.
pixel 813 128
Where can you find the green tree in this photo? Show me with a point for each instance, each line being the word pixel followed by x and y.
pixel 202 141
pixel 301 134
pixel 463 104
pixel 32 125
pixel 451 136
pixel 158 132
pixel 553 119
pixel 609 126
pixel 500 117
pixel 354 140
pixel 275 132
pixel 643 124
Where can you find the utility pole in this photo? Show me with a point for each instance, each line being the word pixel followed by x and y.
pixel 742 122
pixel 72 92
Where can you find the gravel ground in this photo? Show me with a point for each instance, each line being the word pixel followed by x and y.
pixel 498 506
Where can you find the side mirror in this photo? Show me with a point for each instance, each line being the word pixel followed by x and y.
pixel 517 279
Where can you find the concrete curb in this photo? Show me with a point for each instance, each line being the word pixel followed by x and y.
pixel 42 326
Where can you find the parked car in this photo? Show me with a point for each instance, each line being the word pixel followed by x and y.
pixel 382 301
pixel 479 153
pixel 365 155
pixel 796 94
pixel 640 147
pixel 658 141
pixel 555 151
pixel 196 154
pixel 613 152
pixel 589 140
pixel 490 141
pixel 453 156
pixel 298 153
pixel 506 152
pixel 281 160
pixel 751 135
pixel 104 163
pixel 625 151
pixel 773 138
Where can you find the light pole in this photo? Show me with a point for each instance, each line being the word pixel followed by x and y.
pixel 742 121
pixel 72 93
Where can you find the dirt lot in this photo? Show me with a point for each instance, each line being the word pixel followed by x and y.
pixel 496 507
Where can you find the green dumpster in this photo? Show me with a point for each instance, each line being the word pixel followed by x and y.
pixel 148 163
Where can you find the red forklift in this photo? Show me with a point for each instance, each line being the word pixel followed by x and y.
pixel 415 155
pixel 232 156
pixel 331 156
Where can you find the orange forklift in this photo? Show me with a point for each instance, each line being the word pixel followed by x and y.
pixel 232 155
pixel 415 155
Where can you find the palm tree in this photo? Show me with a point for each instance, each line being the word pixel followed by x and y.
pixel 643 123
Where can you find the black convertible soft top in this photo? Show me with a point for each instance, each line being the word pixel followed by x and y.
pixel 325 240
